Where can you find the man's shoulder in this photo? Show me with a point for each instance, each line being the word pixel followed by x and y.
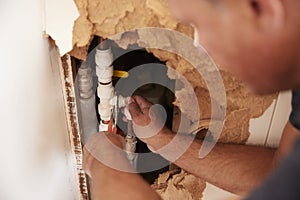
pixel 295 115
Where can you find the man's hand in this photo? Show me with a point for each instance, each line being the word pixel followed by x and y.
pixel 112 182
pixel 148 119
pixel 139 110
pixel 104 149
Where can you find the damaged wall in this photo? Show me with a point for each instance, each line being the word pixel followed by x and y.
pixel 109 17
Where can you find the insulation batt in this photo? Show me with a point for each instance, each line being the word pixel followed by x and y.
pixel 108 17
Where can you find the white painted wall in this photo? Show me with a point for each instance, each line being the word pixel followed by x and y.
pixel 280 117
pixel 36 161
pixel 59 17
pixel 267 129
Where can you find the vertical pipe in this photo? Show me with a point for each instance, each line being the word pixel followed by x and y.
pixel 104 71
pixel 130 146
pixel 88 120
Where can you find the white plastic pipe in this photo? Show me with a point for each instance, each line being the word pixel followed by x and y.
pixel 104 71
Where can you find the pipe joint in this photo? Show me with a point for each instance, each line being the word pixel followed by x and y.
pixel 103 58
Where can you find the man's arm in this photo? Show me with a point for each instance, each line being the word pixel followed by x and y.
pixel 235 168
pixel 288 138
pixel 109 183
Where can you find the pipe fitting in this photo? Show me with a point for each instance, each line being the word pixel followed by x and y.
pixel 130 147
pixel 105 92
pixel 103 127
pixel 85 82
pixel 103 58
pixel 105 74
pixel 105 111
pixel 122 101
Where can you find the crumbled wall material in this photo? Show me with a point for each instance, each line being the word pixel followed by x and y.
pixel 109 17
pixel 177 186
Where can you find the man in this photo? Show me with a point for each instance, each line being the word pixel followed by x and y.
pixel 258 42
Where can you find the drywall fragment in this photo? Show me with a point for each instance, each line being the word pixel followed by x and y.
pixel 82 35
pixel 59 25
pixel 160 9
pixel 179 186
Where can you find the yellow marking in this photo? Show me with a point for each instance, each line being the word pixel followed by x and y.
pixel 120 74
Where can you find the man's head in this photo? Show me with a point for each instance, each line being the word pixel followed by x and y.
pixel 257 40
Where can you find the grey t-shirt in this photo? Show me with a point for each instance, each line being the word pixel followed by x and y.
pixel 284 183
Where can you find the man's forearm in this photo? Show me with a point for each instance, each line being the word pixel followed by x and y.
pixel 235 168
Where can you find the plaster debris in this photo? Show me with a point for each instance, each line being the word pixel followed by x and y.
pixel 106 18
pixel 179 186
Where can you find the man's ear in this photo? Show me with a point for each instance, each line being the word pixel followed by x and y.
pixel 270 12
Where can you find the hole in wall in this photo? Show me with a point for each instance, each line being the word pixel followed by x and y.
pixel 155 93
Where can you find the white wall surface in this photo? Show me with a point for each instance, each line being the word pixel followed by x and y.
pixel 36 161
pixel 59 17
pixel 280 117
pixel 267 129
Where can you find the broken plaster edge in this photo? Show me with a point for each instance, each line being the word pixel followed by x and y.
pixel 259 127
pixel 64 65
pixel 58 20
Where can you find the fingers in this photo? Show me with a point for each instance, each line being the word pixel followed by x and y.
pixel 134 110
pixel 142 102
pixel 139 106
